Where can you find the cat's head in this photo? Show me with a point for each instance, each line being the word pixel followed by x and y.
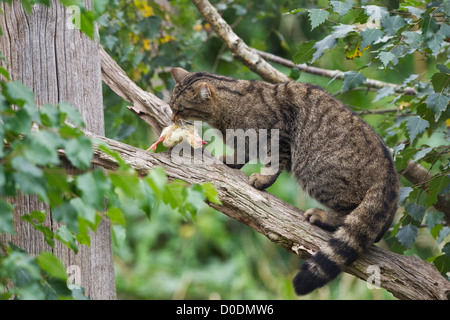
pixel 193 96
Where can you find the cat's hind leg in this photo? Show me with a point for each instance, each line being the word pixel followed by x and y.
pixel 327 220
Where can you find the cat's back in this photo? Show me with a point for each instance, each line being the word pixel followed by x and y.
pixel 333 148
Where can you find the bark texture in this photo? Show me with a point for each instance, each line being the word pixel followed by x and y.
pixel 60 65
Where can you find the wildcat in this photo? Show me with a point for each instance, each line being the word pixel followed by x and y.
pixel 335 156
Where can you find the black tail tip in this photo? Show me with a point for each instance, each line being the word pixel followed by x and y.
pixel 306 281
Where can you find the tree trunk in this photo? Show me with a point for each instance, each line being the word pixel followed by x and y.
pixel 60 64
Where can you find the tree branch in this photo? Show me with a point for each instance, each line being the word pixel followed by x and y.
pixel 370 83
pixel 238 47
pixel 152 110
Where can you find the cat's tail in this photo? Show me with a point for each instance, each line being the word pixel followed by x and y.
pixel 361 228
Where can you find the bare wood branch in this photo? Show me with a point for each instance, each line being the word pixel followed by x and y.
pixel 370 83
pixel 238 47
pixel 152 110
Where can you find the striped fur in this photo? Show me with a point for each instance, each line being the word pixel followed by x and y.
pixel 335 156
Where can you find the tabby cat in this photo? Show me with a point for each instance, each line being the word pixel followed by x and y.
pixel 335 156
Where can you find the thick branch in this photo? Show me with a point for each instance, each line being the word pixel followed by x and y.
pixel 238 47
pixel 152 110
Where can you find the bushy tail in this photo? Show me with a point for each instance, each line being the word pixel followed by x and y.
pixel 361 228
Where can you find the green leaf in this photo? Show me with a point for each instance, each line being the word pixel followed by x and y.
pixel 435 44
pixel 29 177
pixel 52 265
pixel 386 57
pixel 19 94
pixel 67 238
pixel 415 126
pixel 94 187
pixel 305 52
pixel 79 152
pixel 436 186
pixel 211 193
pixel 383 93
pixel 127 181
pixel 116 216
pixel 50 115
pixel 430 26
pixel 87 23
pixel 68 214
pixel 100 6
pixel 376 13
pixel 443 234
pixel 406 235
pixel 440 81
pixel 437 103
pixel 422 153
pixel 442 263
pixel 317 17
pixel 149 26
pixel 85 212
pixel 195 200
pixel 294 74
pixel 6 218
pixel 404 193
pixel 118 235
pixel 42 148
pixel 417 212
pixel 39 216
pixel 434 218
pixel 5 73
pixel 326 43
pixel 369 36
pixel 57 186
pixel 175 193
pixel 341 8
pixel 446 249
pixel 73 114
pixel 157 179
pixel 391 24
pixel 413 39
pixel 341 31
pixel 352 79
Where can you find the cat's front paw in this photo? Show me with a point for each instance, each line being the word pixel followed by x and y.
pixel 260 181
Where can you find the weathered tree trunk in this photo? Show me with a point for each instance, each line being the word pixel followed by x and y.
pixel 59 64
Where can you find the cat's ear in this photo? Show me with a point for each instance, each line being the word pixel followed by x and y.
pixel 179 74
pixel 204 92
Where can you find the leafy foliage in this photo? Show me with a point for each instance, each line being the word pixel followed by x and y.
pixel 29 164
